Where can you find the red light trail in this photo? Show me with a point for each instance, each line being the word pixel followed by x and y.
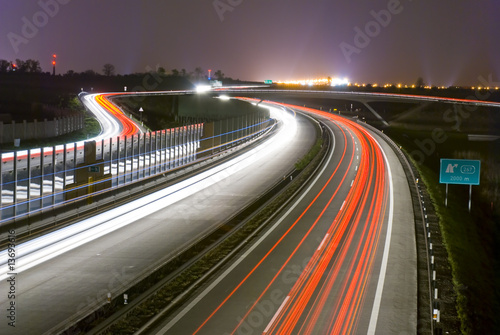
pixel 329 295
pixel 129 127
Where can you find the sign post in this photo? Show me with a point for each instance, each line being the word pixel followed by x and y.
pixel 459 171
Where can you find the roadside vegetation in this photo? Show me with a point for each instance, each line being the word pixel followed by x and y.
pixel 471 239
pixel 301 164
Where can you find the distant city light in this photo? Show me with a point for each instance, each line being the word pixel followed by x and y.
pixel 316 81
pixel 339 82
pixel 335 81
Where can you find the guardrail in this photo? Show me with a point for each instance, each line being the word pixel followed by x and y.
pixel 416 190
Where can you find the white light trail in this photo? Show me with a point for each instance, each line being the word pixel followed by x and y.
pixel 39 250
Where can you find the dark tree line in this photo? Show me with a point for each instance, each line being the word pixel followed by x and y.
pixel 23 66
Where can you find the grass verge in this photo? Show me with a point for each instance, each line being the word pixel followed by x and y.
pixel 470 239
pixel 470 260
pixel 301 164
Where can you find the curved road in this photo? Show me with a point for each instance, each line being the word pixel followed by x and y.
pixel 70 285
pixel 341 259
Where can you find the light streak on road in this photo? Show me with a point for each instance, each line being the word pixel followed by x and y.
pixel 331 293
pixel 110 125
pixel 39 250
pixel 326 298
pixel 371 95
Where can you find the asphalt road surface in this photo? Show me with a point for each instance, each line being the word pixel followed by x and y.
pixel 340 259
pixel 63 288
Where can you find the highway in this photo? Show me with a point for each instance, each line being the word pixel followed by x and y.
pixel 75 277
pixel 341 259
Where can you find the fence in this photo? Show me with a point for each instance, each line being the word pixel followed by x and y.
pixel 40 129
pixel 33 180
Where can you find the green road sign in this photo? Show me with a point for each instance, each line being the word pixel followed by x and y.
pixel 459 171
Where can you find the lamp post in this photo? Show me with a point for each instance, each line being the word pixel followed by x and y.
pixel 140 111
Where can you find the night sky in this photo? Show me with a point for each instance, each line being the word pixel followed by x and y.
pixel 446 42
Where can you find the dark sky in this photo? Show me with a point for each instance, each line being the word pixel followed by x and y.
pixel 444 41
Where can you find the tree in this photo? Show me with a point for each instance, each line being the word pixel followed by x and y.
pixel 420 82
pixel 219 75
pixel 20 65
pixel 89 73
pixel 32 66
pixel 183 73
pixel 108 69
pixel 198 73
pixel 161 70
pixel 4 66
pixel 175 72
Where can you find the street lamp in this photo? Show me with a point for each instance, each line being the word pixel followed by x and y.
pixel 140 111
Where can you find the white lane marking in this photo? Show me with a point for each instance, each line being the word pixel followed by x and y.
pixel 352 182
pixel 276 315
pixel 323 242
pixel 196 300
pixel 381 279
pixel 356 168
pixel 342 205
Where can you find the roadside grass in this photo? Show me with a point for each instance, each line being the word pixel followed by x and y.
pixel 469 257
pixel 301 164
pixel 471 239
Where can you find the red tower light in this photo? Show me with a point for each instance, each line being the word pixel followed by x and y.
pixel 54 64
